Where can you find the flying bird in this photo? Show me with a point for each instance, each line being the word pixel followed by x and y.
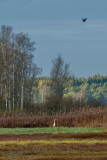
pixel 84 19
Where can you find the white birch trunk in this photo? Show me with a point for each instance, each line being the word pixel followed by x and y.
pixel 13 85
pixel 9 97
pixel 1 87
pixel 6 96
pixel 4 57
pixel 22 88
pixel 22 97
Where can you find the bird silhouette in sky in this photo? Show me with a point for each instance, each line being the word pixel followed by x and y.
pixel 84 19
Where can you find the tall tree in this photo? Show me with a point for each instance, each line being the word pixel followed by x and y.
pixel 17 71
pixel 5 63
pixel 59 75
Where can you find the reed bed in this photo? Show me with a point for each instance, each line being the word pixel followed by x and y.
pixel 94 117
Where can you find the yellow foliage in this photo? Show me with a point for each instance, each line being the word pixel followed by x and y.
pixel 40 83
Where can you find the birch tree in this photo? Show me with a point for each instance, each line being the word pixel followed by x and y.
pixel 5 42
pixel 17 71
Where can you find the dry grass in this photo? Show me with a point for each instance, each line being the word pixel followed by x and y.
pixel 49 150
pixel 85 117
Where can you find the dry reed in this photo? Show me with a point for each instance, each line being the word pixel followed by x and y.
pixel 94 117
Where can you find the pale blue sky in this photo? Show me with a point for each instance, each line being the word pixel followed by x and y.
pixel 56 26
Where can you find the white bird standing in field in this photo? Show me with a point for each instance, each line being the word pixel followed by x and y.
pixel 54 123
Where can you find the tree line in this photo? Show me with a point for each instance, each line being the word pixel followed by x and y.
pixel 21 89
pixel 17 71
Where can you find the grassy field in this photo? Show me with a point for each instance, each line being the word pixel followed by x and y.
pixel 51 130
pixel 61 146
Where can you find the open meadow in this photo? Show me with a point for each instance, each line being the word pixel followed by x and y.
pixel 59 143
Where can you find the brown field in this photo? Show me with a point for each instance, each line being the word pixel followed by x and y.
pixel 50 136
pixel 54 146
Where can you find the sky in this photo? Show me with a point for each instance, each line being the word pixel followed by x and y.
pixel 56 27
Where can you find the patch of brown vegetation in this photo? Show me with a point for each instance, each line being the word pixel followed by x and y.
pixel 84 117
pixel 48 136
pixel 54 151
